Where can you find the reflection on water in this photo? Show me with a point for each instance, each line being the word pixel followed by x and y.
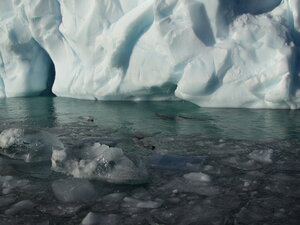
pixel 36 112
pixel 167 117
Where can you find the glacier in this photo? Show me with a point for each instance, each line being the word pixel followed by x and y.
pixel 214 53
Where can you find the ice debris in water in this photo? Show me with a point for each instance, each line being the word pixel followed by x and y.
pixel 28 144
pixel 9 184
pixel 191 186
pixel 6 201
pixel 98 219
pixel 74 190
pixel 263 156
pixel 19 206
pixel 61 210
pixel 98 161
pixel 136 203
pixel 200 177
pixel 9 137
pixel 176 162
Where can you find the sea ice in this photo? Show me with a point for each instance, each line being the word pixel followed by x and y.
pixel 263 156
pixel 98 162
pixel 6 201
pixel 200 177
pixel 74 190
pixel 20 206
pixel 190 186
pixel 10 136
pixel 28 145
pixel 61 210
pixel 136 203
pixel 98 219
pixel 176 162
pixel 8 184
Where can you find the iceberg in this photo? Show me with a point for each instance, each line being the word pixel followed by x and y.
pixel 214 53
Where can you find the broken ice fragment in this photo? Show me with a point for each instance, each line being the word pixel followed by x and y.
pixel 99 219
pixel 176 162
pixel 136 203
pixel 99 161
pixel 74 190
pixel 28 144
pixel 263 156
pixel 20 206
pixel 200 177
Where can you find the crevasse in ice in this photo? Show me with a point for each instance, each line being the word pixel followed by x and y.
pixel 214 53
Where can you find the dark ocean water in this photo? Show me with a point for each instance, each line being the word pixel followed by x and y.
pixel 179 164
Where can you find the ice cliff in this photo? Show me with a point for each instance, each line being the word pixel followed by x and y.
pixel 214 53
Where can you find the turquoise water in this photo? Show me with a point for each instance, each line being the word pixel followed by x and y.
pixel 222 166
pixel 142 116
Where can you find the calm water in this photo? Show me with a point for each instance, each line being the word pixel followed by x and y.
pixel 221 166
pixel 144 117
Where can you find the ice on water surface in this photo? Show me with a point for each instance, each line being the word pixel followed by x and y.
pixel 29 145
pixel 204 167
pixel 10 137
pixel 94 218
pixel 176 162
pixel 10 184
pixel 202 177
pixel 98 161
pixel 74 190
pixel 19 206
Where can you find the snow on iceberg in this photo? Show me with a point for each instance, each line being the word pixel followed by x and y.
pixel 214 53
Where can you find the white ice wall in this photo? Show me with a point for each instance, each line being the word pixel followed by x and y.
pixel 215 53
pixel 23 64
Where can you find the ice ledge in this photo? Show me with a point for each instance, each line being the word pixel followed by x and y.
pixel 238 54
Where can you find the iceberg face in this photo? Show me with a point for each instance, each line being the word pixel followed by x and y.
pixel 213 53
pixel 24 65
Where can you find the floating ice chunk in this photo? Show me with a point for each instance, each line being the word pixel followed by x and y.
pixel 241 163
pixel 98 162
pixel 61 210
pixel 111 142
pixel 136 203
pixel 91 219
pixel 200 177
pixel 111 202
pixel 57 157
pixel 190 186
pixel 98 219
pixel 114 197
pixel 10 136
pixel 20 206
pixel 263 156
pixel 176 162
pixel 6 201
pixel 28 145
pixel 74 190
pixel 9 184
